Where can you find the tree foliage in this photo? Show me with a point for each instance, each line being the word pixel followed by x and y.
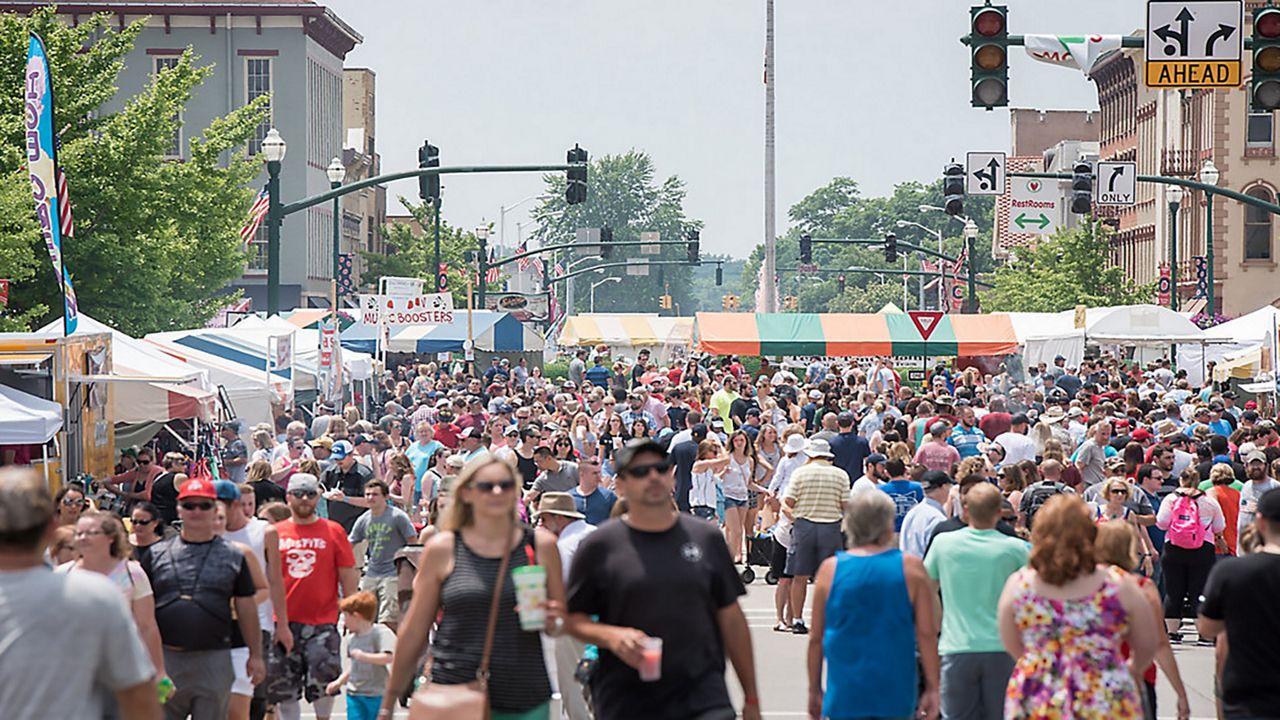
pixel 1073 267
pixel 623 193
pixel 411 253
pixel 868 299
pixel 155 240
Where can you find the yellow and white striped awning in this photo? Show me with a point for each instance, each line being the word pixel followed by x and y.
pixel 626 330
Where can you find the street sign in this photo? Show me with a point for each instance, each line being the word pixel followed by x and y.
pixel 584 237
pixel 1033 207
pixel 1195 44
pixel 984 173
pixel 653 237
pixel 926 321
pixel 1116 183
pixel 639 268
pixel 523 307
pixel 402 286
pixel 810 268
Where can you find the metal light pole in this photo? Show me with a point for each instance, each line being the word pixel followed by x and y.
pixel 598 284
pixel 482 261
pixel 1209 176
pixel 970 235
pixel 937 234
pixel 273 150
pixel 502 221
pixel 1174 195
pixel 336 173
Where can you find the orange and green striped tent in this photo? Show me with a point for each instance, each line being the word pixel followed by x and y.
pixel 836 334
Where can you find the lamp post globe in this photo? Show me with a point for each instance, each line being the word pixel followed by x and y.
pixel 336 172
pixel 273 151
pixel 1209 174
pixel 273 146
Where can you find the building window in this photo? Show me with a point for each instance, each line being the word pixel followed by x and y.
pixel 324 117
pixel 258 249
pixel 1261 130
pixel 257 78
pixel 1257 227
pixel 162 63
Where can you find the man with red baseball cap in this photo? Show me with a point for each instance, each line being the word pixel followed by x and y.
pixel 197 578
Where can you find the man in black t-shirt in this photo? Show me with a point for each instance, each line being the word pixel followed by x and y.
pixel 657 573
pixel 344 485
pixel 1239 598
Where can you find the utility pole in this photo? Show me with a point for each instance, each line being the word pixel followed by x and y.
pixel 770 199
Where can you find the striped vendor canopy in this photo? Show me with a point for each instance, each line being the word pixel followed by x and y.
pixel 492 331
pixel 626 330
pixel 835 334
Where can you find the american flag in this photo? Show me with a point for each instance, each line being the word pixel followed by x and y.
pixel 557 270
pixel 257 211
pixel 523 263
pixel 492 274
pixel 539 268
pixel 64 206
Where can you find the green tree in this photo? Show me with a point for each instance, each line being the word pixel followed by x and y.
pixel 411 253
pixel 623 193
pixel 1073 267
pixel 155 240
pixel 868 299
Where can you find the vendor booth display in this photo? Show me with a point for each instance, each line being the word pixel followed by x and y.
pixel 627 334
pixel 839 334
pixel 492 331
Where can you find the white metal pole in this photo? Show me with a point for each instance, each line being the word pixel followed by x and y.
pixel 770 294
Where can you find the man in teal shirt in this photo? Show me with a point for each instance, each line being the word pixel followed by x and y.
pixel 970 567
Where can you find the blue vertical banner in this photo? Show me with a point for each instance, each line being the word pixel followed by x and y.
pixel 1201 265
pixel 42 164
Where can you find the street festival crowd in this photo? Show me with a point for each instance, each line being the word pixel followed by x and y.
pixel 977 546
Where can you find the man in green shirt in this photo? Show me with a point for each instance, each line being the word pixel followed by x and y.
pixel 970 567
pixel 723 399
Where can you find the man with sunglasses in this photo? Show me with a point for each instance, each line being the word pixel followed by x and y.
pixel 645 576
pixel 554 475
pixel 318 564
pixel 198 578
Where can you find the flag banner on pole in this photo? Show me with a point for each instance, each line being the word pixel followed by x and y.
pixel 42 165
pixel 1081 52
pixel 257 211
pixel 523 263
pixel 492 274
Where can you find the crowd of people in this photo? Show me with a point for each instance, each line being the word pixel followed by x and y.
pixel 982 545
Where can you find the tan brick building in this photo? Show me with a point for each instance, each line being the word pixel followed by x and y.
pixel 364 212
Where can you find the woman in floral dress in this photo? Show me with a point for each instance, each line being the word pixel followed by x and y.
pixel 1064 619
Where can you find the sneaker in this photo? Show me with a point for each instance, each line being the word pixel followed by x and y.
pixel 1205 642
pixel 1175 637
pixel 798 627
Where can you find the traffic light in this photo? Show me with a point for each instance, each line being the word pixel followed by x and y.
pixel 953 189
pixel 1081 188
pixel 694 256
pixel 606 237
pixel 719 276
pixel 575 190
pixel 989 43
pixel 724 301
pixel 665 303
pixel 840 284
pixel 1266 59
pixel 806 250
pixel 890 250
pixel 429 185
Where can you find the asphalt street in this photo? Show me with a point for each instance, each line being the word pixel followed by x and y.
pixel 780 667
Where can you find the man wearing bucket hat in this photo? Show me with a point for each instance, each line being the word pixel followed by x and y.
pixel 557 513
pixel 815 496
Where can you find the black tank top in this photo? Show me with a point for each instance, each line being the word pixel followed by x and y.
pixel 165 497
pixel 517 674
pixel 527 468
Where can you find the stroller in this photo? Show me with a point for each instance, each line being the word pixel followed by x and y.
pixel 760 554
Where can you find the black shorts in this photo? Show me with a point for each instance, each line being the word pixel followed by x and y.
pixel 778 562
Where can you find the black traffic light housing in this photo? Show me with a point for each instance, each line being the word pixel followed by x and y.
pixel 989 46
pixel 1264 94
pixel 953 189
pixel 806 250
pixel 429 185
pixel 693 250
pixel 890 248
pixel 606 240
pixel 575 190
pixel 840 284
pixel 719 276
pixel 1081 188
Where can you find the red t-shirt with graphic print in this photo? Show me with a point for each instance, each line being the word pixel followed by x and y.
pixel 311 555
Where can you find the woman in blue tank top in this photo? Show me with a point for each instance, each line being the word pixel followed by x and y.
pixel 873 608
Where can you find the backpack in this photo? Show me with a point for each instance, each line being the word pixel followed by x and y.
pixel 1037 495
pixel 1185 529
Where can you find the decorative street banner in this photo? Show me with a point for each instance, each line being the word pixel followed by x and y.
pixel 391 311
pixel 1080 52
pixel 1164 286
pixel 1202 276
pixel 42 164
pixel 346 283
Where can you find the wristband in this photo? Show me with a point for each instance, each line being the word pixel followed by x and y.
pixel 751 700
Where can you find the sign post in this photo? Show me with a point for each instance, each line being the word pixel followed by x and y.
pixel 1194 45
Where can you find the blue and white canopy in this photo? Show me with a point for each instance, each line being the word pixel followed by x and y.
pixel 492 331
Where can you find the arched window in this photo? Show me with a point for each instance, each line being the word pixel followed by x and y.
pixel 1257 227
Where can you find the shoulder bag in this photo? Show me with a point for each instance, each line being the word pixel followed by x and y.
pixel 464 701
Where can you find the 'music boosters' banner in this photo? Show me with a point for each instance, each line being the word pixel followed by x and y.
pixel 42 163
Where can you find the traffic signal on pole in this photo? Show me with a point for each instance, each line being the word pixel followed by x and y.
pixel 840 284
pixel 606 237
pixel 890 249
pixel 429 185
pixel 694 250
pixel 989 44
pixel 665 303
pixel 806 250
pixel 575 190
pixel 1266 59
pixel 1081 188
pixel 719 276
pixel 953 189
pixel 724 302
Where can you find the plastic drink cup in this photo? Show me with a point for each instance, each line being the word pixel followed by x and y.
pixel 531 593
pixel 651 663
pixel 164 690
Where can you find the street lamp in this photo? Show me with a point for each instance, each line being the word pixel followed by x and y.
pixel 336 172
pixel 482 260
pixel 1209 176
pixel 598 284
pixel 1174 195
pixel 971 234
pixel 941 264
pixel 273 150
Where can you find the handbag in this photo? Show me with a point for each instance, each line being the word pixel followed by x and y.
pixel 464 701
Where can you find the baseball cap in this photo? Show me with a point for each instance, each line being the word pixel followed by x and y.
pixel 1269 504
pixel 25 502
pixel 873 458
pixel 232 425
pixel 815 394
pixel 305 482
pixel 511 430
pixel 226 490
pixel 322 442
pixel 934 479
pixel 342 449
pixel 1250 405
pixel 468 432
pixel 1141 435
pixel 197 488
pixel 361 440
pixel 1256 456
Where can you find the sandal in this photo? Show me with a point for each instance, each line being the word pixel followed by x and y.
pixel 782 627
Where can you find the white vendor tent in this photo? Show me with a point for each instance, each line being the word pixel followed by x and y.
pixel 1236 344
pixel 627 334
pixel 26 419
pixel 248 391
pixel 306 345
pixel 1048 335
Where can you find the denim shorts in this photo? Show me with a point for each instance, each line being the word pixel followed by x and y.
pixel 731 503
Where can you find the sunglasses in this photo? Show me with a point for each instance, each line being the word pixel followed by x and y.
pixel 144 522
pixel 1119 491
pixel 144 462
pixel 203 506
pixel 486 486
pixel 303 494
pixel 72 503
pixel 639 471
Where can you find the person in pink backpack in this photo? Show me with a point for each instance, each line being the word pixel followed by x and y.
pixel 1192 520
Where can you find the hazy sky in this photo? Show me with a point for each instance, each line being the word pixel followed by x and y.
pixel 874 90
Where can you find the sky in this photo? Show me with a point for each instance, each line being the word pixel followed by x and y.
pixel 873 90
